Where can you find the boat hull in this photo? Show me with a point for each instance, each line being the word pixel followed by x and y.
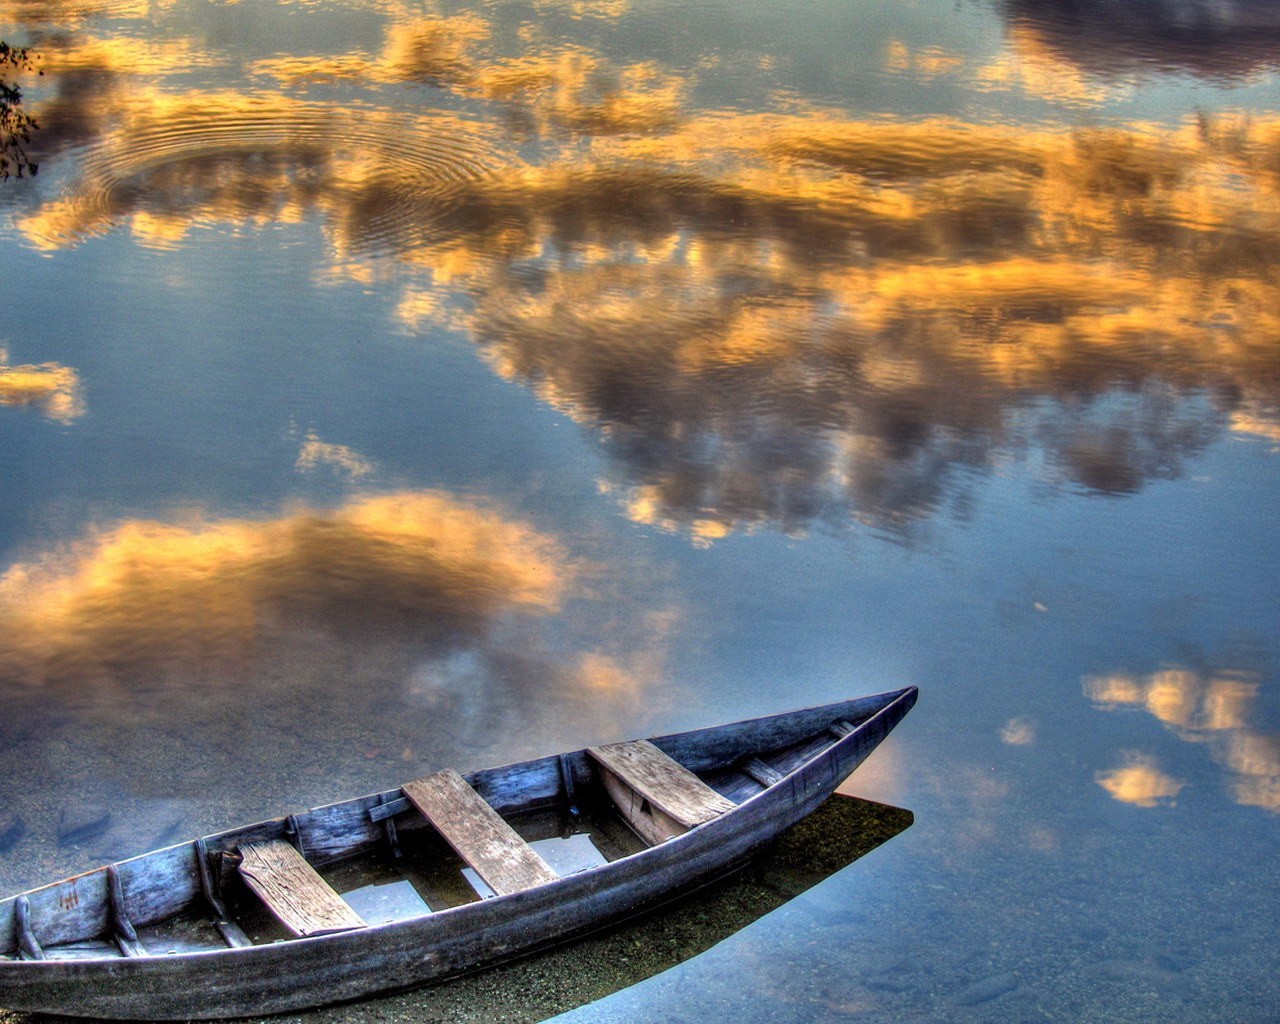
pixel 347 965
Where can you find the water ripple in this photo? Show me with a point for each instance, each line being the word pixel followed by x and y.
pixel 381 180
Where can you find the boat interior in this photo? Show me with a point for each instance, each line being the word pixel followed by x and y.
pixel 439 842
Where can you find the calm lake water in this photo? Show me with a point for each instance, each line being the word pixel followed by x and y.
pixel 386 386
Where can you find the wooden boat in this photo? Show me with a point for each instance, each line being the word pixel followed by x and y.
pixel 251 920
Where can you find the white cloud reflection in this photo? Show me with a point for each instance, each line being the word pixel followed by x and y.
pixel 1215 708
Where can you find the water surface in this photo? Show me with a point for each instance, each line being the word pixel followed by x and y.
pixel 388 386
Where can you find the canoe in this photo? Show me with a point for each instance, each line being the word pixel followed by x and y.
pixel 445 875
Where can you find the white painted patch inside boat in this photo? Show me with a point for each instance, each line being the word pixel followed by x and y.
pixel 390 901
pixel 565 856
pixel 570 855
pixel 477 883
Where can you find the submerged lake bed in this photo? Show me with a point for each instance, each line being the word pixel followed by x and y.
pixel 396 386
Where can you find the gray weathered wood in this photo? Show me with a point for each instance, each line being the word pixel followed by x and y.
pixel 650 823
pixel 28 946
pixel 389 809
pixel 478 833
pixel 761 772
pixel 667 785
pixel 703 750
pixel 293 891
pixel 84 975
pixel 126 935
pixel 231 932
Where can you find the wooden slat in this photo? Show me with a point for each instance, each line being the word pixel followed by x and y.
pixel 293 891
pixel 666 784
pixel 231 932
pixel 381 812
pixel 28 947
pixel 126 935
pixel 478 833
pixel 764 774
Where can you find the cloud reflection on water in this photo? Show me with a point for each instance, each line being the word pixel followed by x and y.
pixel 142 594
pixel 564 89
pixel 420 608
pixel 909 307
pixel 175 161
pixel 1213 708
pixel 50 387
pixel 314 454
pixel 772 320
pixel 1140 781
pixel 1228 39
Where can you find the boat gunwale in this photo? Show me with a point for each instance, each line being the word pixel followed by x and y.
pixel 492 905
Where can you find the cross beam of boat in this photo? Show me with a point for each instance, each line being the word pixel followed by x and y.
pixel 445 875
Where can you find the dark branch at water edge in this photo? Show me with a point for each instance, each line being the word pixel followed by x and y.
pixel 16 125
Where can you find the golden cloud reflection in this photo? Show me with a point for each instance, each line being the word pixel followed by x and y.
pixel 1180 698
pixel 549 91
pixel 203 594
pixel 1141 782
pixel 773 320
pixel 810 332
pixel 1019 732
pixel 1260 423
pixel 390 628
pixel 66 55
pixel 1254 760
pixel 65 15
pixel 173 161
pixel 52 388
pixel 923 62
pixel 1030 67
pixel 1214 708
pixel 411 600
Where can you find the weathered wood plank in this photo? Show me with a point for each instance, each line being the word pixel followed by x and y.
pixel 126 936
pixel 764 774
pixel 231 932
pixel 478 833
pixel 666 784
pixel 280 977
pixel 383 811
pixel 293 891
pixel 28 946
pixel 648 821
pixel 708 749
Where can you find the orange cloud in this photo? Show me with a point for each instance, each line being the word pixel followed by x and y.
pixel 52 388
pixel 809 282
pixel 1141 782
pixel 144 596
pixel 1211 708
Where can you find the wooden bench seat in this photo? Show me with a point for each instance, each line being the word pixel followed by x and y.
pixel 477 833
pixel 293 890
pixel 659 797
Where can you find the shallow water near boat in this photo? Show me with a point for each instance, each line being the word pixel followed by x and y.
pixel 389 387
